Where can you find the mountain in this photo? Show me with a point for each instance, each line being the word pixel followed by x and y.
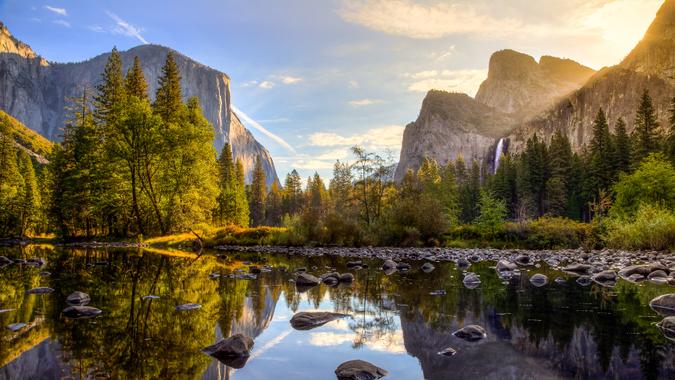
pixel 522 97
pixel 36 91
pixel 24 138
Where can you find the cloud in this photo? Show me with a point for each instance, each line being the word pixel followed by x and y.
pixel 58 11
pixel 364 102
pixel 276 120
pixel 63 23
pixel 96 28
pixel 287 79
pixel 313 164
pixel 387 137
pixel 124 28
pixel 262 129
pixel 439 56
pixel 353 84
pixel 465 81
pixel 266 84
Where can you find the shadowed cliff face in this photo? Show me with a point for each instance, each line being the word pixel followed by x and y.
pixel 36 93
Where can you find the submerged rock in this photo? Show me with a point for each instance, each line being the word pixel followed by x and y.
pixel 40 290
pixel 439 292
pixel 471 333
pixel 539 280
pixel 188 306
pixel 667 326
pixel 584 280
pixel 78 298
pixel 448 352
pixel 388 265
pixel 77 312
pixel 605 278
pixel 14 327
pixel 560 280
pixel 347 278
pixel 471 280
pixel 578 268
pixel 523 260
pixel 428 267
pixel 307 320
pixel 504 266
pixel 643 269
pixel 359 370
pixel 150 297
pixel 306 279
pixel 463 264
pixel 233 351
pixel 664 304
pixel 2 311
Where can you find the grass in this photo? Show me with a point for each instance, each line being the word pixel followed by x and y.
pixel 229 235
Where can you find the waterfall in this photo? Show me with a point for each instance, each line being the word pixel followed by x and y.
pixel 498 152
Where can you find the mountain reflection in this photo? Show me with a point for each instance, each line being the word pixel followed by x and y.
pixel 550 332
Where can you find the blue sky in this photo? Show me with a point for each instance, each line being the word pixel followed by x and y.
pixel 323 75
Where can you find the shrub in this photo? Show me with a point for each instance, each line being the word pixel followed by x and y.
pixel 653 227
pixel 552 232
pixel 653 182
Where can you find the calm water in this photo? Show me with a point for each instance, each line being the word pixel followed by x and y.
pixel 557 331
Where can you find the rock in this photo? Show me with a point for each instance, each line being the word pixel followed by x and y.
pixel 77 312
pixel 635 277
pixel 560 280
pixel 448 352
pixel 78 298
pixel 667 326
pixel 657 274
pixel 40 290
pixel 359 370
pixel 523 260
pixel 471 333
pixel 538 280
pixel 188 307
pixel 354 264
pixel 605 276
pixel 334 275
pixel 45 274
pixel 644 269
pixel 2 311
pixel 389 264
pixel 664 304
pixel 306 279
pixel 428 267
pixel 463 264
pixel 439 292
pixel 471 280
pixel 584 280
pixel 14 327
pixel 402 266
pixel 307 320
pixel 504 266
pixel 577 268
pixel 233 351
pixel 331 281
pixel 346 278
pixel 150 297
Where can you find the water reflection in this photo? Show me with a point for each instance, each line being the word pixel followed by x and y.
pixel 554 331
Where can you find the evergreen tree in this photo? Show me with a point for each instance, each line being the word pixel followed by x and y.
pixel 12 185
pixel 135 83
pixel 228 211
pixel 469 192
pixel 109 102
pixel 601 156
pixel 504 183
pixel 292 194
pixel 645 133
pixel 169 99
pixel 273 207
pixel 534 174
pixel 340 188
pixel 30 205
pixel 258 194
pixel 560 166
pixel 491 213
pixel 241 202
pixel 622 148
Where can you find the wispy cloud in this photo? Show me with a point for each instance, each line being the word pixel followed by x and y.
pixel 466 81
pixel 262 129
pixel 364 102
pixel 58 11
pixel 266 85
pixel 288 79
pixel 125 28
pixel 387 137
pixel 63 23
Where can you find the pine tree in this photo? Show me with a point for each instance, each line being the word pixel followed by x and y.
pixel 168 98
pixel 273 207
pixel 341 188
pixel 622 148
pixel 29 207
pixel 534 169
pixel 111 93
pixel 292 194
pixel 504 183
pixel 645 135
pixel 258 194
pixel 135 83
pixel 601 159
pixel 12 185
pixel 241 202
pixel 560 162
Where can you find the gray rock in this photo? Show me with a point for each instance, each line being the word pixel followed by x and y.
pixel 657 274
pixel 471 333
pixel 233 351
pixel 667 326
pixel 389 264
pixel 14 327
pixel 471 280
pixel 578 268
pixel 584 280
pixel 347 278
pixel 503 266
pixel 307 320
pixel 523 260
pixel 188 306
pixel 359 370
pixel 40 290
pixel 306 279
pixel 664 304
pixel 448 352
pixel 539 280
pixel 428 267
pixel 77 312
pixel 78 298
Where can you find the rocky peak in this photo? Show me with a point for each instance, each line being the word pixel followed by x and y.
pixel 655 53
pixel 518 84
pixel 9 44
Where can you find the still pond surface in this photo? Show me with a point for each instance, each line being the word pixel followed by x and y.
pixel 560 330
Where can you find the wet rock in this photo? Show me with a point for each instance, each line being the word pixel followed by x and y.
pixel 504 266
pixel 14 327
pixel 150 297
pixel 471 280
pixel 605 276
pixel 538 280
pixel 428 267
pixel 584 280
pixel 523 260
pixel 77 312
pixel 644 269
pixel 214 276
pixel 403 266
pixel 463 264
pixel 439 292
pixel 233 351
pixel 35 262
pixel 307 320
pixel 664 304
pixel 657 274
pixel 45 274
pixel 560 280
pixel 19 261
pixel 448 352
pixel 359 370
pixel 334 275
pixel 346 278
pixel 188 307
pixel 306 280
pixel 578 268
pixel 40 290
pixel 331 281
pixel 254 269
pixel 667 326
pixel 388 265
pixel 635 277
pixel 78 298
pixel 471 333
pixel 354 264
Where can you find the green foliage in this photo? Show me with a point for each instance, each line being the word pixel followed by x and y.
pixel 258 194
pixel 12 186
pixel 491 213
pixel 652 227
pixel 25 136
pixel 553 233
pixel 645 135
pixel 652 183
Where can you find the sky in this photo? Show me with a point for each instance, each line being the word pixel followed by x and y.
pixel 311 78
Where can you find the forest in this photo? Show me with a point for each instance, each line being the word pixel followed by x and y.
pixel 131 168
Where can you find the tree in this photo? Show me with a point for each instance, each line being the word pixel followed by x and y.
pixel 29 207
pixel 241 203
pixel 504 183
pixel 644 134
pixel 230 211
pixel 670 141
pixel 622 148
pixel 491 213
pixel 258 194
pixel 560 167
pixel 169 99
pixel 111 93
pixel 534 174
pixel 12 186
pixel 653 182
pixel 273 207
pixel 135 83
pixel 601 156
pixel 340 188
pixel 292 194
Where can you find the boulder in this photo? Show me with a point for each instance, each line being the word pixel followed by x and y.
pixel 428 267
pixel 307 320
pixel 40 290
pixel 188 307
pixel 644 269
pixel 78 298
pixel 471 280
pixel 335 275
pixel 657 274
pixel 463 264
pixel 664 304
pixel 448 352
pixel 523 260
pixel 471 333
pixel 584 280
pixel 605 276
pixel 77 312
pixel 233 351
pixel 306 279
pixel 538 280
pixel 503 266
pixel 577 268
pixel 359 370
pixel 389 264
pixel 346 278
pixel 354 264
pixel 667 326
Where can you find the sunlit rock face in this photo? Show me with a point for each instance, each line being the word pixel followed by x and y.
pixel 36 93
